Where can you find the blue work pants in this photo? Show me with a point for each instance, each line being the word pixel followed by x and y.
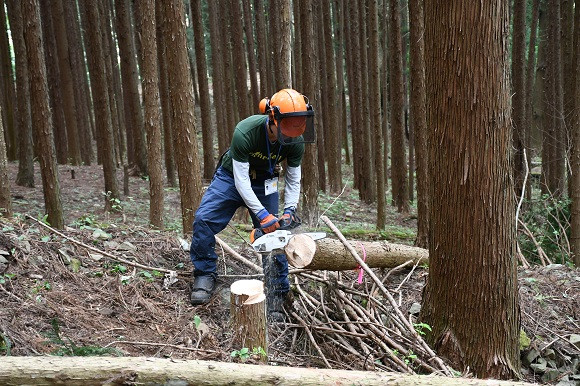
pixel 218 206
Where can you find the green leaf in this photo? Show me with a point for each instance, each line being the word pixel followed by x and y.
pixel 197 321
pixel 45 239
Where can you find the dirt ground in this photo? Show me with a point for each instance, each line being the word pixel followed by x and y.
pixel 84 294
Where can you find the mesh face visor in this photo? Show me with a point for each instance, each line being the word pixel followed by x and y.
pixel 296 127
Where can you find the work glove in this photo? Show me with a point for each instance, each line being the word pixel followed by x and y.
pixel 268 222
pixel 289 219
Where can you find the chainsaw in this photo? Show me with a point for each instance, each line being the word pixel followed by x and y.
pixel 267 242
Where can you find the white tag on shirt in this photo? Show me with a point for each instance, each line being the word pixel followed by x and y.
pixel 271 186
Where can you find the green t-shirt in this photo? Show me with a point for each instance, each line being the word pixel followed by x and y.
pixel 249 144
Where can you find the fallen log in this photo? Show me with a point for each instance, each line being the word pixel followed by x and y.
pixel 50 370
pixel 331 254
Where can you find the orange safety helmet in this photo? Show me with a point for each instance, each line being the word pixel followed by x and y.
pixel 292 114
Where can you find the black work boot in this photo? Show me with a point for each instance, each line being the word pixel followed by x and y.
pixel 202 289
pixel 275 305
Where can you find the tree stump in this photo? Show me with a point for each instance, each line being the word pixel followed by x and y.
pixel 248 315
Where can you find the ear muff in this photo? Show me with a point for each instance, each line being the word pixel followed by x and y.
pixel 264 106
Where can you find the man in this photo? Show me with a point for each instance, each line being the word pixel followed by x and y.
pixel 247 175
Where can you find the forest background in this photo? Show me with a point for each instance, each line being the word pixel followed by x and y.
pixel 155 89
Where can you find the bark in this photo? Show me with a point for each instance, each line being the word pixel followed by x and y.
pixel 251 52
pixel 472 238
pixel 568 75
pixel 152 107
pixel 575 157
pixel 102 111
pixel 297 48
pixel 400 186
pixel 111 72
pixel 7 88
pixel 340 71
pixel 207 128
pixel 82 99
pixel 41 113
pixel 375 106
pixel 50 370
pixel 248 315
pixel 5 197
pixel 25 176
pixel 280 16
pixel 239 59
pixel 54 89
pixel 310 180
pixel 558 177
pixel 333 154
pixel 354 89
pixel 530 71
pixel 367 187
pixel 165 99
pixel 118 113
pixel 323 129
pixel 66 82
pixel 130 76
pixel 518 91
pixel 217 77
pixel 183 118
pixel 419 117
pixel 331 254
pixel 231 113
pixel 262 43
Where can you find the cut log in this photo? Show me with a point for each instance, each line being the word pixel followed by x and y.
pixel 84 371
pixel 248 315
pixel 331 254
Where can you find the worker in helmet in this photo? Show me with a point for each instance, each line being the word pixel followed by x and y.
pixel 247 175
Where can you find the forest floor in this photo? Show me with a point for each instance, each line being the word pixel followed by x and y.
pixel 84 296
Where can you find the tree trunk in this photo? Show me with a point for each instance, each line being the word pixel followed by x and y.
pixel 152 106
pixel 283 47
pixel 471 297
pixel 354 89
pixel 23 122
pixel 248 315
pixel 529 108
pixel 575 157
pixel 310 180
pixel 239 58
pixel 251 52
pixel 418 118
pixel 7 88
pixel 66 82
pixel 51 370
pixel 262 43
pixel 111 75
pixel 5 197
pixel 41 114
pixel 97 71
pixel 375 106
pixel 54 87
pixel 334 130
pixel 330 254
pixel 130 76
pixel 518 91
pixel 165 99
pixel 183 118
pixel 568 75
pixel 231 113
pixel 398 158
pixel 340 71
pixel 217 78
pixel 81 89
pixel 207 128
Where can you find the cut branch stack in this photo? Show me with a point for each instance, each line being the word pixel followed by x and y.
pixel 367 326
